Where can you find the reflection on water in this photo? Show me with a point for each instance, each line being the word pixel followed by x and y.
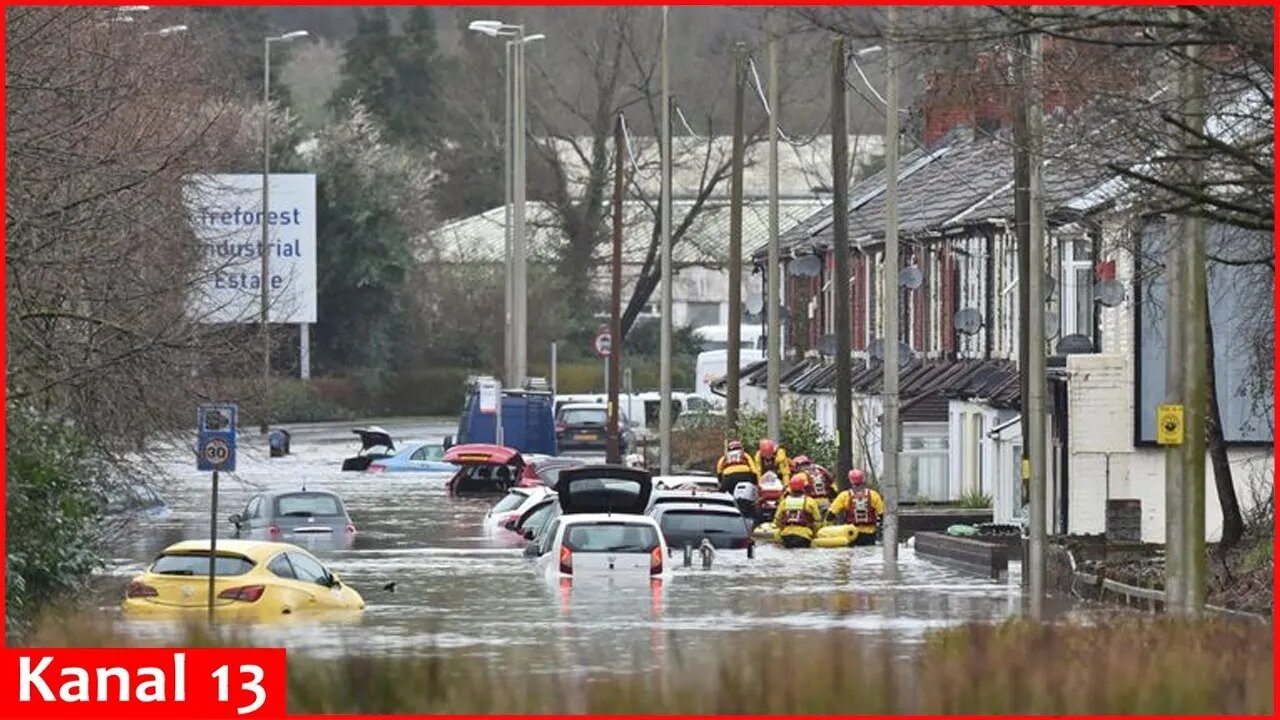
pixel 460 588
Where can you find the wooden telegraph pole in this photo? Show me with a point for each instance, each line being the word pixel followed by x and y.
pixel 615 317
pixel 735 240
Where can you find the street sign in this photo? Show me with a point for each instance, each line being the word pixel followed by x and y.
pixel 488 396
pixel 603 343
pixel 1169 425
pixel 216 438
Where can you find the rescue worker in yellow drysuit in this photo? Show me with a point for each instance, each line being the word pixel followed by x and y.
pixel 736 466
pixel 771 458
pixel 859 506
pixel 798 516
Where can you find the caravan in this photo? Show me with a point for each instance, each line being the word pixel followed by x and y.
pixel 713 365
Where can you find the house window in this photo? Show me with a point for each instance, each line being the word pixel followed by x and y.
pixel 925 459
pixel 702 314
pixel 1077 288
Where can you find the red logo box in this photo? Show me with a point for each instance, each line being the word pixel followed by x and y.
pixel 143 683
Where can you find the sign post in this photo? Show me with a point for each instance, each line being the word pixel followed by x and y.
pixel 491 402
pixel 215 450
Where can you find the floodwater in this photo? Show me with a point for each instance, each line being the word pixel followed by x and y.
pixel 459 589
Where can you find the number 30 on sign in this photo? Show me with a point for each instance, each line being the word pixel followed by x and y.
pixel 142 683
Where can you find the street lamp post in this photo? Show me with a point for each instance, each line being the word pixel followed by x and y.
pixel 264 281
pixel 516 354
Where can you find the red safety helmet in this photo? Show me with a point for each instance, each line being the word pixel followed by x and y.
pixel 800 461
pixel 735 444
pixel 856 477
pixel 768 447
pixel 798 483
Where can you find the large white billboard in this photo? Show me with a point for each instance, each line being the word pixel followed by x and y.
pixel 226 216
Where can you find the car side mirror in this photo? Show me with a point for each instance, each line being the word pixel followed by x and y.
pixel 528 534
pixel 334 582
pixel 448 442
pixel 510 525
pixel 235 519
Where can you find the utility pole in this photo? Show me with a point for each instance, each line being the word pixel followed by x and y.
pixel 891 433
pixel 508 163
pixel 664 395
pixel 615 317
pixel 519 301
pixel 1194 381
pixel 266 242
pixel 840 279
pixel 1035 368
pixel 735 239
pixel 773 335
pixel 1022 231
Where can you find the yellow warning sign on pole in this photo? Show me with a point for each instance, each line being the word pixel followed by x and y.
pixel 1169 430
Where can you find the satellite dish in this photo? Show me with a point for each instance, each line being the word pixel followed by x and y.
pixel 754 303
pixel 1051 324
pixel 1075 345
pixel 911 278
pixel 876 351
pixel 968 321
pixel 827 345
pixel 805 266
pixel 1109 293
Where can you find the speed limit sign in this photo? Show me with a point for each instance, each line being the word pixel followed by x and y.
pixel 216 440
pixel 217 452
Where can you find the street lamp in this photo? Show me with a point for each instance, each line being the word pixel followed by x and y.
pixel 171 30
pixel 516 330
pixel 264 281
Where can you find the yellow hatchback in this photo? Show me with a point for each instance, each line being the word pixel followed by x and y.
pixel 253 581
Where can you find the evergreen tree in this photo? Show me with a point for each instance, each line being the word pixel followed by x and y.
pixel 369 65
pixel 417 117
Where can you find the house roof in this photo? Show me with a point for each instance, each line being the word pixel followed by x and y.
pixel 480 238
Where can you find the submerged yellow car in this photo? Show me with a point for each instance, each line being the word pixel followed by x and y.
pixel 253 581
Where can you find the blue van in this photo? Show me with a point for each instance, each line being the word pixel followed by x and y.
pixel 528 421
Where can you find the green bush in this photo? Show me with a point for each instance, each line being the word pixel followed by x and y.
pixel 801 434
pixel 975 500
pixel 53 498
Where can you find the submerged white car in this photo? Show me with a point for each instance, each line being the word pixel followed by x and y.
pixel 602 533
pixel 513 506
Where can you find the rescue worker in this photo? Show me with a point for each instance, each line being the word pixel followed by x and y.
pixel 772 458
pixel 820 484
pixel 859 506
pixel 798 517
pixel 736 466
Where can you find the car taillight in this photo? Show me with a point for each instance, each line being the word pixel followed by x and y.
pixel 273 531
pixel 566 561
pixel 351 529
pixel 655 561
pixel 375 467
pixel 140 590
pixel 245 593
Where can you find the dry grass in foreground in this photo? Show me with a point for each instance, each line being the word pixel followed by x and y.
pixel 1132 666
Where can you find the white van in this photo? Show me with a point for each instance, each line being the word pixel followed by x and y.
pixel 716 337
pixel 714 364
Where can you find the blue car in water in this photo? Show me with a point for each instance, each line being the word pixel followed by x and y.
pixel 415 457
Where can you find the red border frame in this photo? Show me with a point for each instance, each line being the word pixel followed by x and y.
pixel 3 178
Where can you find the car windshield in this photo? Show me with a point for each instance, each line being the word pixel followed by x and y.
pixel 512 501
pixel 618 537
pixel 432 453
pixel 694 522
pixel 584 416
pixel 197 563
pixel 538 517
pixel 308 505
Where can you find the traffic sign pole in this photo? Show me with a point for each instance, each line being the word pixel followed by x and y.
pixel 213 540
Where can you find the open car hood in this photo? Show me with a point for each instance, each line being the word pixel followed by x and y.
pixel 374 436
pixel 482 454
pixel 604 489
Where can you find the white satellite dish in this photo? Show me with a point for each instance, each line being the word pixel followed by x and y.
pixel 1109 293
pixel 805 266
pixel 968 321
pixel 911 278
pixel 754 302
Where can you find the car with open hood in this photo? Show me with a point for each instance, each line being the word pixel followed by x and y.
pixel 602 531
pixel 484 469
pixel 375 444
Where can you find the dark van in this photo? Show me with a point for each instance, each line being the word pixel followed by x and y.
pixel 528 422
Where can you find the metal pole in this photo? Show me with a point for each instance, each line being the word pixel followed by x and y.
pixel 304 350
pixel 213 540
pixel 266 182
pixel 891 433
pixel 664 395
pixel 1036 389
pixel 1194 379
pixel 1021 211
pixel 499 435
pixel 735 241
pixel 613 363
pixel 840 274
pixel 519 302
pixel 773 295
pixel 508 162
pixel 554 367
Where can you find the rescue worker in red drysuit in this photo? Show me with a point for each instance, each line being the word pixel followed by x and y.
pixel 798 516
pixel 772 458
pixel 859 506
pixel 820 484
pixel 735 466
